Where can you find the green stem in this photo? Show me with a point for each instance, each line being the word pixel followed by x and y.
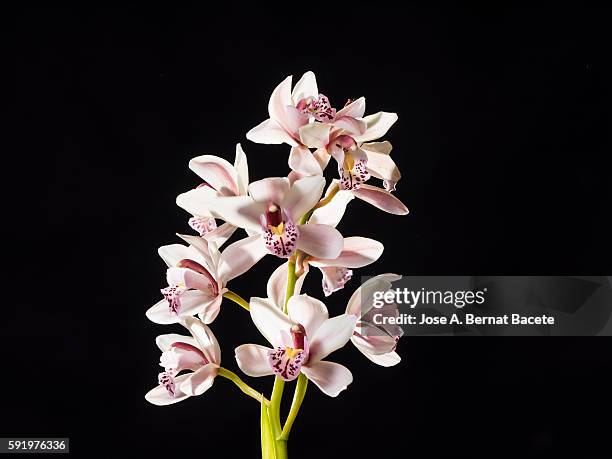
pixel 291 280
pixel 275 402
pixel 298 398
pixel 244 387
pixel 237 299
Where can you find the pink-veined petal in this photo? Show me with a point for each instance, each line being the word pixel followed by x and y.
pixel 200 380
pixel 315 135
pixel 303 161
pixel 269 190
pixel 377 126
pixel 269 320
pixel 209 313
pixel 217 172
pixel 241 256
pixel 332 378
pixel 305 87
pixel 381 198
pixel 331 335
pixel 241 166
pixel 269 132
pixel 307 311
pixel 160 396
pixel 375 344
pixel 253 361
pixel 357 253
pixel 302 196
pixel 320 241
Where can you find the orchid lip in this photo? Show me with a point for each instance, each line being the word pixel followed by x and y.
pixel 166 379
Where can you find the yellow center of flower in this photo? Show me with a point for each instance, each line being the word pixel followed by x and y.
pixel 291 352
pixel 278 230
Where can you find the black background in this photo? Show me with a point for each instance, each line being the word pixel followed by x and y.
pixel 502 139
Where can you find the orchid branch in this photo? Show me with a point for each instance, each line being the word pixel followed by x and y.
pixel 244 387
pixel 237 299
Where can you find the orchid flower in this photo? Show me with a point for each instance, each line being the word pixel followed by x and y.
pixel 220 178
pixel 190 364
pixel 197 277
pixel 271 213
pixel 304 108
pixel 300 341
pixel 376 342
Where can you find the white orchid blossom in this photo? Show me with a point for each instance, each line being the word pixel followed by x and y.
pixel 220 178
pixel 376 341
pixel 190 364
pixel 197 277
pixel 301 340
pixel 272 212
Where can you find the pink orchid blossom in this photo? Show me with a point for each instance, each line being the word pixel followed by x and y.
pixel 300 340
pixel 376 342
pixel 190 364
pixel 271 214
pixel 220 178
pixel 197 277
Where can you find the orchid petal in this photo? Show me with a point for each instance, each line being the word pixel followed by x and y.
pixel 357 253
pixel 269 132
pixel 242 170
pixel 241 256
pixel 216 172
pixel 331 335
pixel 381 198
pixel 269 190
pixel 196 201
pixel 305 87
pixel 173 253
pixel 160 396
pixel 252 360
pixel 221 234
pixel 240 211
pixel 362 299
pixel 200 246
pixel 331 213
pixel 315 135
pixel 303 161
pixel 332 378
pixel 307 311
pixel 374 342
pixel 207 342
pixel 378 125
pixel 209 313
pixel 356 109
pixel 382 166
pixel 384 360
pixel 320 241
pixel 269 320
pixel 164 342
pixel 302 196
pixel 351 125
pixel 200 380
pixel 383 148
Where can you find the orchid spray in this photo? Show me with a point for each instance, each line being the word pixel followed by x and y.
pixel 293 218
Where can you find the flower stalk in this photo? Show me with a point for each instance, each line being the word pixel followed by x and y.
pixel 237 299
